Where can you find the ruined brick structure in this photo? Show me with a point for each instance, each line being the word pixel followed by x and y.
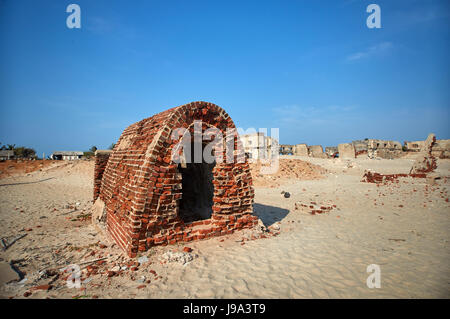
pixel 361 146
pixel 316 151
pixel 300 150
pixel 146 199
pixel 425 162
pixel 101 159
pixel 346 150
pixel 423 167
pixel 441 149
pixel 384 149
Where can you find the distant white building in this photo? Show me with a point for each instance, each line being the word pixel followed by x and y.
pixel 6 155
pixel 258 146
pixel 66 155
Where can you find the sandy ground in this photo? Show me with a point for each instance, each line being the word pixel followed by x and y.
pixel 402 227
pixel 20 167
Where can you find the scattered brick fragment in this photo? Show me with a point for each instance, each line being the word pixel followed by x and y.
pixel 187 249
pixel 42 287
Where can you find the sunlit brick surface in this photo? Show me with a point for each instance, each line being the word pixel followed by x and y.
pixel 141 186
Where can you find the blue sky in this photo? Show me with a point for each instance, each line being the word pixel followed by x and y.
pixel 311 68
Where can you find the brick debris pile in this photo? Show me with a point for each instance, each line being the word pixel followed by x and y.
pixel 288 169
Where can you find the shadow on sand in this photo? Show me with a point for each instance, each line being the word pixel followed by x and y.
pixel 24 183
pixel 269 214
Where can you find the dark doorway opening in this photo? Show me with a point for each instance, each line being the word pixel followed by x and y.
pixel 197 189
pixel 197 192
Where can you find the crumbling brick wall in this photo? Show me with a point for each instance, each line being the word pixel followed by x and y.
pixel 441 149
pixel 300 150
pixel 316 151
pixel 361 146
pixel 101 159
pixel 416 146
pixel 346 150
pixel 142 187
pixel 425 162
pixel 384 149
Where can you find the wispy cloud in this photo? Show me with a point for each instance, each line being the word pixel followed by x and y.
pixel 378 49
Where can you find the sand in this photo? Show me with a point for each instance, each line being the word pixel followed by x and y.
pixel 402 227
pixel 288 169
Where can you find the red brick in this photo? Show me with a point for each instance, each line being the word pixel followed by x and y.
pixel 140 186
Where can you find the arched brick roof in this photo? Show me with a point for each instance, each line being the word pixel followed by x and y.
pixel 141 185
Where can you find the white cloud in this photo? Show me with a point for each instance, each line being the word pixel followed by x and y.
pixel 371 51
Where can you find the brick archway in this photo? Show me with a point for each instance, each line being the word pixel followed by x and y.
pixel 140 188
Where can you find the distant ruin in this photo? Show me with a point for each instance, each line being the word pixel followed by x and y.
pixel 142 198
pixel 424 164
pixel 384 149
pixel 300 150
pixel 316 151
pixel 257 146
pixel 426 161
pixel 440 148
pixel 372 148
pixel 346 150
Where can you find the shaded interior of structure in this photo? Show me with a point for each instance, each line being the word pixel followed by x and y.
pixel 197 190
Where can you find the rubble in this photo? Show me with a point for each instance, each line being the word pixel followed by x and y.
pixel 426 162
pixel 182 258
pixel 313 208
pixel 377 178
pixel 42 287
pixel 288 169
pixel 187 249
pixel 142 259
